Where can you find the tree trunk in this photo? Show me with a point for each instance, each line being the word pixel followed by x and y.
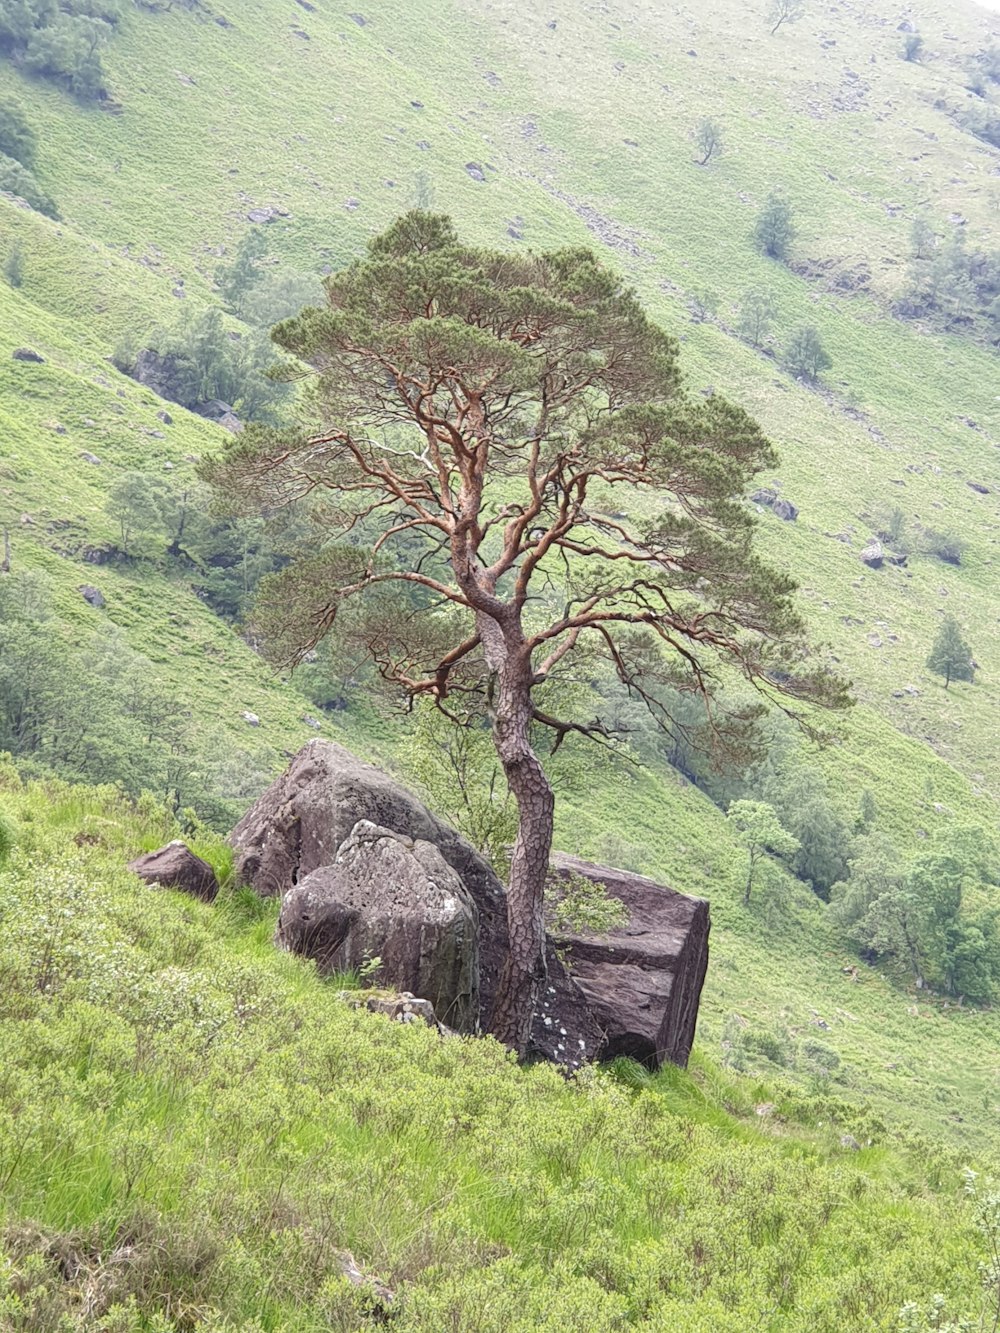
pixel 523 974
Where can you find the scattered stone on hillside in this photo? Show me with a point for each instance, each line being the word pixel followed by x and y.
pixel 156 372
pixel 896 558
pixel 978 487
pixel 766 495
pixel 176 867
pixel 301 33
pixel 93 596
pixel 401 1008
pixel 313 722
pixel 785 510
pixel 642 981
pixel 267 214
pixel 351 204
pixel 301 820
pixel 98 555
pixel 874 641
pixel 910 689
pixel 394 898
pixel 88 457
pixel 168 466
pixel 475 171
pixel 27 354
pixel 179 293
pixel 59 428
pixel 515 229
pixel 359 19
pixel 231 422
pixel 305 4
pixel 873 554
pixel 213 408
pixel 165 417
pixel 251 719
pixel 850 1142
pixel 27 521
pixel 905 26
pixel 186 79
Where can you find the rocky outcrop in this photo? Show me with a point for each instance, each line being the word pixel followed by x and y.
pixel 299 824
pixel 364 869
pixel 397 899
pixel 641 982
pixel 873 554
pixel 176 867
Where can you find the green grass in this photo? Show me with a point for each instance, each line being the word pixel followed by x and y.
pixel 195 1127
pixel 150 199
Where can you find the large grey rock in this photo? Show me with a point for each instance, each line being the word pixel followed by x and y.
pixel 177 867
pixel 641 983
pixel 300 822
pixel 873 554
pixel 397 899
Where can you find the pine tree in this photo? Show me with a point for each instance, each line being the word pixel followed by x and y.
pixel 13 268
pixel 951 656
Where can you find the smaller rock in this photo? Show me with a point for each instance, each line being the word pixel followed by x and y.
pixel 165 417
pixel 380 1296
pixel 475 171
pixel 873 555
pixel 784 509
pixel 176 867
pixel 764 1110
pixel 910 689
pixel 251 719
pixel 90 458
pixel 765 496
pixel 403 1008
pixel 231 422
pixel 978 487
pixel 168 466
pixel 313 722
pixel 27 354
pixel 93 596
pixel 850 1142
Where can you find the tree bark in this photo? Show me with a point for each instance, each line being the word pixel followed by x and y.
pixel 523 974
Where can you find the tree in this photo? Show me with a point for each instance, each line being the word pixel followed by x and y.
pixel 708 137
pixel 236 280
pixel 784 11
pixel 913 45
pixel 13 267
pixel 757 312
pixel 922 237
pixel 774 232
pixel 469 407
pixel 760 832
pixel 805 354
pixel 950 655
pixel 17 138
pixel 133 506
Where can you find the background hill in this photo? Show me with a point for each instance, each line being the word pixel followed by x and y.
pixel 567 124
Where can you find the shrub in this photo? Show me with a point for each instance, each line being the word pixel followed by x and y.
pixel 774 230
pixel 805 354
pixel 913 45
pixel 18 180
pixel 17 139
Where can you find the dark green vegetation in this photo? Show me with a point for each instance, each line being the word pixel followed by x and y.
pixel 575 126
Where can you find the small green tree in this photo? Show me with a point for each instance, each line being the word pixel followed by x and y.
pixel 805 354
pixel 784 11
pixel 774 230
pixel 759 831
pixel 950 655
pixel 237 279
pixel 132 505
pixel 757 313
pixel 913 45
pixel 922 237
pixel 708 137
pixel 17 138
pixel 13 268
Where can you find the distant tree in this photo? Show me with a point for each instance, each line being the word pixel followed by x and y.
pixel 867 811
pixel 132 505
pixel 757 313
pixel 469 408
pixel 278 295
pixel 805 354
pixel 13 267
pixel 784 11
pixel 423 191
pixel 913 45
pixel 708 137
pixel 774 230
pixel 950 655
pixel 17 139
pixel 237 279
pixel 923 237
pixel 760 832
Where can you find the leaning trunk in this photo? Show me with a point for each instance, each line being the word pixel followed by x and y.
pixel 523 974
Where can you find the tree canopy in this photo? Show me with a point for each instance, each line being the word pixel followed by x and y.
pixel 950 655
pixel 471 417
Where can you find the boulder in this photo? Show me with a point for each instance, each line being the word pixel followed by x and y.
pixel 91 595
pixel 873 554
pixel 397 899
pixel 157 372
pixel 642 981
pixel 176 867
pixel 300 822
pixel 785 510
pixel 27 354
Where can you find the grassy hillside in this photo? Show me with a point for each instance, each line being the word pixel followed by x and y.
pixel 197 1131
pixel 572 125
